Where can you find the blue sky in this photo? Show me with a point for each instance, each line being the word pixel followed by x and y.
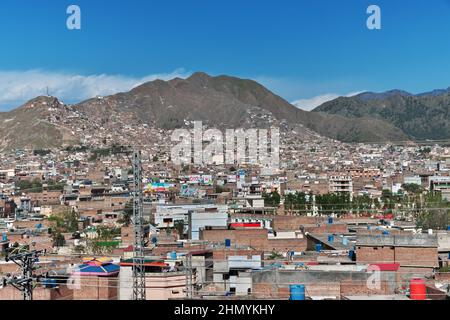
pixel 299 49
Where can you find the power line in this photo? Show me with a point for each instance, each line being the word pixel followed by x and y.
pixel 26 261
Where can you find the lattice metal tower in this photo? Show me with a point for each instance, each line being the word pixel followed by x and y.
pixel 25 261
pixel 139 241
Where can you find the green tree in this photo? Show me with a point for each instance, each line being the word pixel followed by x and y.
pixel 65 221
pixel 434 213
pixel 412 188
pixel 58 239
pixel 127 215
pixel 297 201
pixel 179 226
pixel 337 203
pixel 272 199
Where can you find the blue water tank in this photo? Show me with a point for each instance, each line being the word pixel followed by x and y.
pixel 318 247
pixel 448 228
pixel 49 283
pixel 173 255
pixel 385 233
pixel 4 238
pixel 297 292
pixel 227 243
pixel 351 254
pixel 330 238
pixel 368 227
pixel 345 241
pixel 154 240
pixel 330 220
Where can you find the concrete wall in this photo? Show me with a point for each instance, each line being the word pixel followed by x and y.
pixel 60 293
pixel 159 286
pixel 255 238
pixel 96 288
pixel 413 240
pixel 275 283
pixel 288 223
pixel 443 241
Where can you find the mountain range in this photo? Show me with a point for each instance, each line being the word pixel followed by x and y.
pixel 226 102
pixel 424 116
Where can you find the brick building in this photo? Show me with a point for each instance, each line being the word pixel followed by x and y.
pixel 255 238
pixel 416 251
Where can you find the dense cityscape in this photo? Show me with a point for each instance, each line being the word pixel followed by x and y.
pixel 224 158
pixel 330 215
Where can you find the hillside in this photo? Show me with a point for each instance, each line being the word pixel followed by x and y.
pixel 221 102
pixel 229 102
pixel 30 126
pixel 421 117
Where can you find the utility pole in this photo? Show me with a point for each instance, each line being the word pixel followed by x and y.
pixel 26 262
pixel 138 220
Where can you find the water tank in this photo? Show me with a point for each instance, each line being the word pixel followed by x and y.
pixel 297 292
pixel 173 255
pixel 385 233
pixel 318 247
pixel 49 283
pixel 4 238
pixel 417 289
pixel 448 228
pixel 345 241
pixel 330 220
pixel 351 254
pixel 330 238
pixel 228 243
pixel 368 227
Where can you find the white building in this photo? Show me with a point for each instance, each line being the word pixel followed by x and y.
pixel 341 184
pixel 413 180
pixel 194 216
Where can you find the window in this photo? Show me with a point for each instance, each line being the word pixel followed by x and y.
pixel 234 272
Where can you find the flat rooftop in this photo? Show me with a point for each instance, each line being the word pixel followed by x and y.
pixel 336 244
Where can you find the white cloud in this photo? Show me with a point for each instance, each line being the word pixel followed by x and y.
pixel 17 87
pixel 314 102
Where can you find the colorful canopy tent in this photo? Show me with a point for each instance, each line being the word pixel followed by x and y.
pixel 97 267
